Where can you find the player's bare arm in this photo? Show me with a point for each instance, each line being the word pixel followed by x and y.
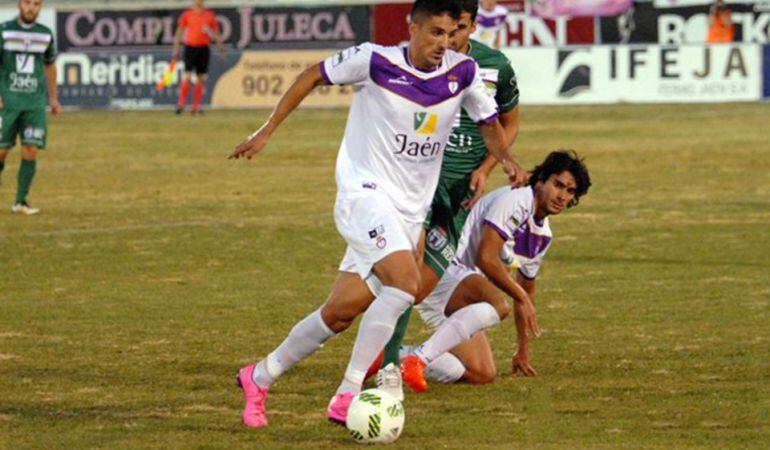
pixel 177 42
pixel 53 93
pixel 521 360
pixel 301 88
pixel 220 45
pixel 494 139
pixel 495 270
pixel 510 122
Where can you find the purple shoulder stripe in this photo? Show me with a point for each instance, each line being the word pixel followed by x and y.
pixel 489 119
pixel 426 92
pixel 502 233
pixel 324 74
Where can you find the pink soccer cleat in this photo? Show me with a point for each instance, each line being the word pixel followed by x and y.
pixel 337 412
pixel 255 396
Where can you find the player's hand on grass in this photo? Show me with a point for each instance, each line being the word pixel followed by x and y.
pixel 478 186
pixel 521 364
pixel 517 176
pixel 251 146
pixel 55 106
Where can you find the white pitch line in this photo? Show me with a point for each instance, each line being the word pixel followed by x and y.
pixel 264 220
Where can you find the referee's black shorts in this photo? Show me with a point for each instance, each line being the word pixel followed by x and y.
pixel 196 59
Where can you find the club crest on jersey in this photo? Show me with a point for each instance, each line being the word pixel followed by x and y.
pixel 436 239
pixel 453 84
pixel 425 123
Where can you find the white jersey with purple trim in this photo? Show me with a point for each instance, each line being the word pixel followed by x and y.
pixel 490 24
pixel 511 213
pixel 400 120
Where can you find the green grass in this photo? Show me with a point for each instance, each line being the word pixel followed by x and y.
pixel 157 268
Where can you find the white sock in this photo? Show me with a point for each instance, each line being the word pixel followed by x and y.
pixel 460 327
pixel 375 330
pixel 447 368
pixel 303 340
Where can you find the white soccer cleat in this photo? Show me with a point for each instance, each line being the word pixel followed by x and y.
pixel 24 208
pixel 389 380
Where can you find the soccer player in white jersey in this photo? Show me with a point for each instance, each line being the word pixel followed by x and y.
pixel 469 297
pixel 387 170
pixel 490 24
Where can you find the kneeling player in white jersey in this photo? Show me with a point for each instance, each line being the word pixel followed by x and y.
pixel 469 297
pixel 405 104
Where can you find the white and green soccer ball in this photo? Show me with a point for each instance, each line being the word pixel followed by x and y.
pixel 375 417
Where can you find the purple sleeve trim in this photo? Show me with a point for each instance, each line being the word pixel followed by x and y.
pixel 526 276
pixel 489 119
pixel 324 74
pixel 502 233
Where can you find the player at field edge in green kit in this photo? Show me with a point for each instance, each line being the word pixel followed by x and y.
pixel 27 58
pixel 464 171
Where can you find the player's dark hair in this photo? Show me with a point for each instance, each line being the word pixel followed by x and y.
pixel 559 161
pixel 470 6
pixel 429 8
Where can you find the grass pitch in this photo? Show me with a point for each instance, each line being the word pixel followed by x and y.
pixel 157 268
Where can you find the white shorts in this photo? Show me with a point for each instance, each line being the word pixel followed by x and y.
pixel 433 309
pixel 373 229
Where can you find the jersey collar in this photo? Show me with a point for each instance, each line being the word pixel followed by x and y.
pixel 409 63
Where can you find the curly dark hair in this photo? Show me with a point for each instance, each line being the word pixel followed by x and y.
pixel 557 162
pixel 427 8
pixel 470 6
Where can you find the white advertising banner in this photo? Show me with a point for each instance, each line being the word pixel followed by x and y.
pixel 638 74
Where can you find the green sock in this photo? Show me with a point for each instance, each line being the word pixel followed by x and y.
pixel 26 174
pixel 394 344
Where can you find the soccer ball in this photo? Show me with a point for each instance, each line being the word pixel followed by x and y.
pixel 375 417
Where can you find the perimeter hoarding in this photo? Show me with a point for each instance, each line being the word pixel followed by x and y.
pixel 647 23
pixel 245 79
pixel 243 27
pixel 638 74
pixel 390 27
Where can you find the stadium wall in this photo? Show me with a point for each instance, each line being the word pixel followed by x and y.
pixel 113 58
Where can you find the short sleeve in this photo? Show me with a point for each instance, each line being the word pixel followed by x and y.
pixel 507 96
pixel 481 108
pixel 348 66
pixel 49 57
pixel 183 21
pixel 505 215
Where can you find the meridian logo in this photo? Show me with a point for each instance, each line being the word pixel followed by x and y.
pixel 578 72
pixel 425 123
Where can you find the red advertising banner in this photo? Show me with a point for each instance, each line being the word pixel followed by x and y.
pixel 390 27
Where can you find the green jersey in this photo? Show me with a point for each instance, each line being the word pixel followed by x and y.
pixel 465 149
pixel 26 49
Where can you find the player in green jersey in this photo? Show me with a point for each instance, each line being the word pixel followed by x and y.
pixel 27 56
pixel 464 171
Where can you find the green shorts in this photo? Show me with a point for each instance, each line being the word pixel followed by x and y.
pixel 30 125
pixel 445 222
